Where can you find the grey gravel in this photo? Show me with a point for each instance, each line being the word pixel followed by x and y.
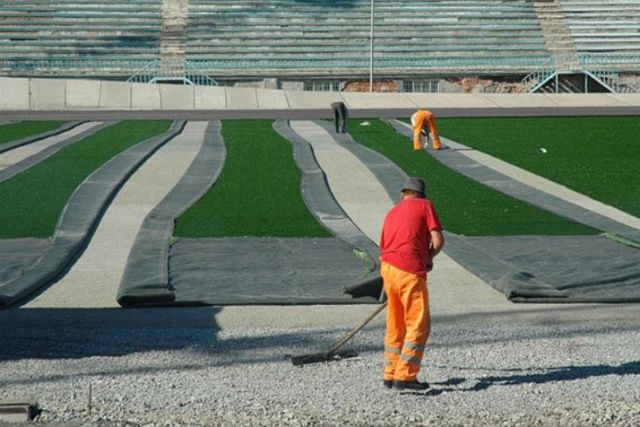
pixel 557 365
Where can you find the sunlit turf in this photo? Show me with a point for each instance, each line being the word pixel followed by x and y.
pixel 257 193
pixel 14 131
pixel 31 202
pixel 464 206
pixel 595 156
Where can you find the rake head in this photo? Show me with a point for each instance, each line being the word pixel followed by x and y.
pixel 326 356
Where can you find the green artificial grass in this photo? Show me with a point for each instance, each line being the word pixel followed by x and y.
pixel 595 156
pixel 463 205
pixel 14 131
pixel 257 193
pixel 31 202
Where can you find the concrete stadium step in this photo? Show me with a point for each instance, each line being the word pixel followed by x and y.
pixel 40 29
pixel 232 24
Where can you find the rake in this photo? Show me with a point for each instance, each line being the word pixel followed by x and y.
pixel 332 353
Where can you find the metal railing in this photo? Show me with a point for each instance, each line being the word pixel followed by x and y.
pixel 538 78
pixel 172 71
pixel 148 72
pixel 130 66
pixel 604 68
pixel 362 63
pixel 196 66
pixel 611 62
pixel 607 78
pixel 568 63
pixel 73 65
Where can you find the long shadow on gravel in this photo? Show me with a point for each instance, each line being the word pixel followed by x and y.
pixel 52 333
pixel 76 333
pixel 552 375
pixel 57 333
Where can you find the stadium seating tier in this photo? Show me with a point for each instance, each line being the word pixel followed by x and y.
pixel 302 37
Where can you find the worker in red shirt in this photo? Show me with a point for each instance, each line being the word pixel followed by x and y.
pixel 411 238
pixel 424 124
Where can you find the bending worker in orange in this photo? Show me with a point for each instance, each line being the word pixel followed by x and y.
pixel 424 123
pixel 411 238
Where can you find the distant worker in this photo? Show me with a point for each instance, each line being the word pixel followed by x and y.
pixel 411 238
pixel 424 123
pixel 340 116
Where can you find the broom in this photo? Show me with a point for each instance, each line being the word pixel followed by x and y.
pixel 306 359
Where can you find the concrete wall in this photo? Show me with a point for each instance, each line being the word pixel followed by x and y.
pixel 27 94
pixel 36 95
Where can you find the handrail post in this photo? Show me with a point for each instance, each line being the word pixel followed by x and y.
pixel 371 48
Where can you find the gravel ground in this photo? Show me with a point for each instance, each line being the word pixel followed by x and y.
pixel 559 365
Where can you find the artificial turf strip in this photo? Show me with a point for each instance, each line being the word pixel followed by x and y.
pixel 32 201
pixel 463 205
pixel 257 193
pixel 595 156
pixel 14 131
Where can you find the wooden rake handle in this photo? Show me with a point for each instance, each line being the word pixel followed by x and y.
pixel 357 328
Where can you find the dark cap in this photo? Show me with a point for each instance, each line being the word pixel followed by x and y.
pixel 415 184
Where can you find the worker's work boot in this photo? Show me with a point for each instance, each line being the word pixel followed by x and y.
pixel 410 385
pixel 437 144
pixel 387 383
pixel 416 145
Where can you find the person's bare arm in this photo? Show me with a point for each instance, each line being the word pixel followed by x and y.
pixel 437 242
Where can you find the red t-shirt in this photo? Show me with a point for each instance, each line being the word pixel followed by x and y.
pixel 406 235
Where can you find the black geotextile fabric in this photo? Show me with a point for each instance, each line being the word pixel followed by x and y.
pixel 15 169
pixel 266 270
pixel 34 138
pixel 323 206
pixel 552 268
pixel 77 223
pixel 249 270
pixel 568 269
pixel 19 254
pixel 146 275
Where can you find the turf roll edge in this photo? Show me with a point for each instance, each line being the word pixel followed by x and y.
pixel 79 218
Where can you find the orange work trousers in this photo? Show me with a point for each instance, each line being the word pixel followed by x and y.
pixel 425 118
pixel 408 322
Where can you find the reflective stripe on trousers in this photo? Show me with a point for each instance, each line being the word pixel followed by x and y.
pixel 408 322
pixel 423 118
